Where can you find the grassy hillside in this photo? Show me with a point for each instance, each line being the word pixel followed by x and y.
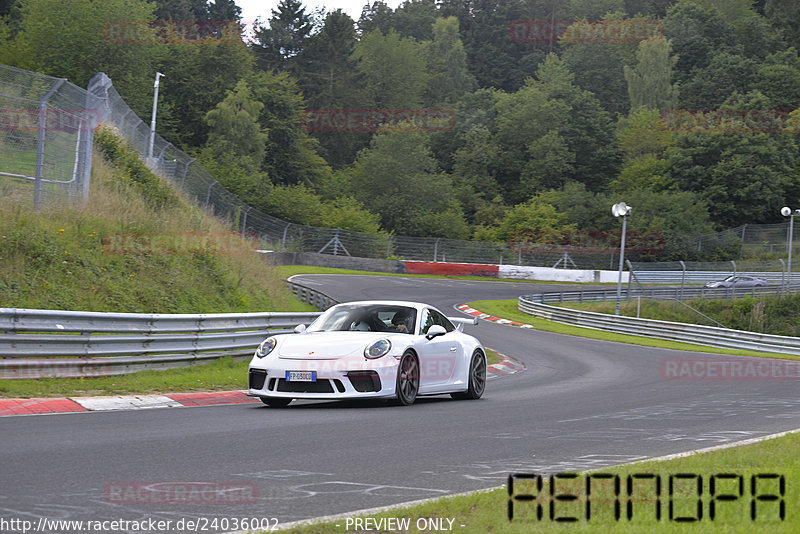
pixel 138 246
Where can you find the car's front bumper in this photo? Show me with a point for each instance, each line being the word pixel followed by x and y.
pixel 335 379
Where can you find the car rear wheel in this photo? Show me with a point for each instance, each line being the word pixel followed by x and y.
pixel 275 402
pixel 407 379
pixel 477 378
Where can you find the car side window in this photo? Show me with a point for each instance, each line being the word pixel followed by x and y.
pixel 428 321
pixel 443 321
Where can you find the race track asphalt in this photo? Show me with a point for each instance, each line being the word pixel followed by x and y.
pixel 579 404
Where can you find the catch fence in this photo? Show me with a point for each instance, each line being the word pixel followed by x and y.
pixel 46 132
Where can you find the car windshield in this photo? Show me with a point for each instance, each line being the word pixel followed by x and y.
pixel 367 318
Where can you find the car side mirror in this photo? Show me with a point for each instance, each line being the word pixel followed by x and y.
pixel 434 331
pixel 299 329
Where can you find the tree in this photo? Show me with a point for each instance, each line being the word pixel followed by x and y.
pixel 376 16
pixel 415 18
pixel 786 16
pixel 399 180
pixel 532 220
pixel 696 34
pixel 650 82
pixel 778 78
pixel 224 10
pixel 711 85
pixel 234 130
pixel 181 10
pixel 329 75
pixel 280 45
pixel 593 9
pixel 197 78
pixel 552 103
pixel 291 156
pixel 605 79
pixel 551 162
pixel 447 64
pixel 330 80
pixel 742 177
pixel 393 68
pixel 69 40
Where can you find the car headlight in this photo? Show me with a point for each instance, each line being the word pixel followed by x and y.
pixel 378 349
pixel 266 347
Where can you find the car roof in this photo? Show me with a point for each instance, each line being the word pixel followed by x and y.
pixel 388 303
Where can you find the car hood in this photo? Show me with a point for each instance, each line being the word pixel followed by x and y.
pixel 327 345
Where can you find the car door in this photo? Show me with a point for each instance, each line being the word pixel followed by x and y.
pixel 438 356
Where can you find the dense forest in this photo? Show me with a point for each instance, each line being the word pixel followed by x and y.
pixel 542 130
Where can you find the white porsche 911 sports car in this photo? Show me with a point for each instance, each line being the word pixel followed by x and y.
pixel 371 349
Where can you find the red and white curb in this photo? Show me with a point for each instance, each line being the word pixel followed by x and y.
pixel 508 366
pixel 39 406
pixel 485 316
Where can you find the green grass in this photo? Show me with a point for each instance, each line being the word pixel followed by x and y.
pixel 225 374
pixel 66 258
pixel 492 356
pixel 487 512
pixel 290 270
pixel 778 315
pixel 507 309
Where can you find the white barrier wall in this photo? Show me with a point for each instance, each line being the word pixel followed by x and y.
pixel 519 272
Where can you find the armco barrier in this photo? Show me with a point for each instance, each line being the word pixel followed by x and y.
pixel 52 343
pixel 687 333
pixel 316 298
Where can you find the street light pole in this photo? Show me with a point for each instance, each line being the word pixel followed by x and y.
pixel 621 210
pixel 787 212
pixel 153 120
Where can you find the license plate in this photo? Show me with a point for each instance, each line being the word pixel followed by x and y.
pixel 301 376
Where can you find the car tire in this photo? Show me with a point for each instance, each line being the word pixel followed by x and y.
pixel 407 385
pixel 276 402
pixel 477 378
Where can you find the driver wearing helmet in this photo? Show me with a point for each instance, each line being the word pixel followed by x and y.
pixel 403 321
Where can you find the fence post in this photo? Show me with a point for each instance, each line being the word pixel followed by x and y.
pixel 208 193
pixel 244 219
pixel 40 137
pixel 185 170
pixel 741 248
pixel 683 278
pixel 436 249
pixel 97 90
pixel 734 267
pixel 283 241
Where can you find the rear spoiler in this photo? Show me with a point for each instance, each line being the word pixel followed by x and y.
pixel 461 321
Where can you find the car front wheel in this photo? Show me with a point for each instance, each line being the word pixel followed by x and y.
pixel 407 379
pixel 477 378
pixel 276 402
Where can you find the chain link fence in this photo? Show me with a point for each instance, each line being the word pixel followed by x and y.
pixel 46 132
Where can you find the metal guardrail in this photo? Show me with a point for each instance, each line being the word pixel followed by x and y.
pixel 660 293
pixel 687 333
pixel 701 277
pixel 53 343
pixel 316 298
